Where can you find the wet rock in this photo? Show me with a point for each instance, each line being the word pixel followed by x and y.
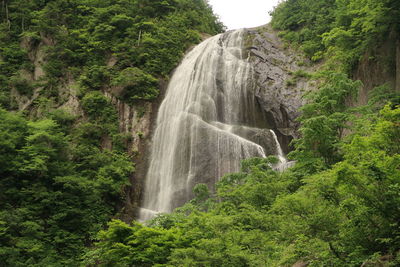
pixel 274 67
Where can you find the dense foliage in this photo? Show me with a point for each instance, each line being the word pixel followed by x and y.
pixel 338 206
pixel 57 187
pixel 337 30
pixel 343 214
pixel 62 175
pixel 81 37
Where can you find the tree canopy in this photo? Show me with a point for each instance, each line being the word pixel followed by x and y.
pixel 342 216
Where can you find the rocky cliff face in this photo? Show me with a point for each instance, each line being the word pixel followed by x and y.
pixel 379 66
pixel 67 98
pixel 280 81
pixel 137 122
pixel 221 105
pixel 134 120
pixel 278 91
pixel 281 85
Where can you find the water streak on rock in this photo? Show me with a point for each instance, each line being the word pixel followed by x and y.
pixel 283 163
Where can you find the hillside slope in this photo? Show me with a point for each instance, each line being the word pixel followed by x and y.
pixel 77 83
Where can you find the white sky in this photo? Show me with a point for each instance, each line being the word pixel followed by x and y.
pixel 237 14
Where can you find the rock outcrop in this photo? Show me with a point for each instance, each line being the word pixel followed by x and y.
pixel 378 66
pixel 280 81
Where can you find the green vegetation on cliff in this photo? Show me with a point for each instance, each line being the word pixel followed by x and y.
pixel 80 38
pixel 63 162
pixel 337 30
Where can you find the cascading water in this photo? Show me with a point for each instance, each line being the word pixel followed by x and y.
pixel 208 122
pixel 283 163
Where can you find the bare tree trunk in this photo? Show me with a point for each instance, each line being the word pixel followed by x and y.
pixel 398 64
pixel 3 8
pixel 140 35
pixel 7 17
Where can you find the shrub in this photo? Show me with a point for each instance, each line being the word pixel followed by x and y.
pixel 136 84
pixel 99 108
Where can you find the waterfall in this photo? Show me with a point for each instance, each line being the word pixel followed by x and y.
pixel 208 122
pixel 280 155
pixel 283 163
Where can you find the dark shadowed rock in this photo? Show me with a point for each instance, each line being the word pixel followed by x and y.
pixel 278 91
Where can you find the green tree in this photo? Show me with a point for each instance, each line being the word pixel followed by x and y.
pixel 324 118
